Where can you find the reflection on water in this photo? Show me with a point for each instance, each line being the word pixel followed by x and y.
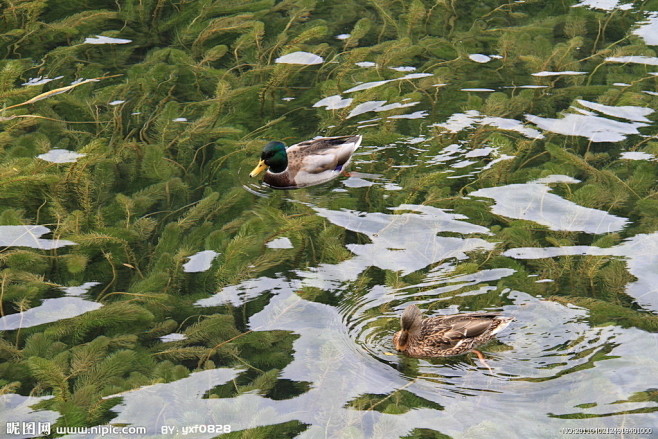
pixel 637 155
pixel 637 59
pixel 100 39
pixel 334 102
pixel 174 336
pixel 595 128
pixel 482 59
pixel 549 347
pixel 282 242
pixel 39 80
pixel 648 29
pixel 639 252
pixel 403 242
pixel 368 85
pixel 606 5
pixel 52 310
pixel 300 58
pixel 16 408
pixel 510 167
pixel 460 121
pixel 60 156
pixel 566 72
pixel 629 112
pixel 200 261
pixel 534 202
pixel 159 405
pixel 29 236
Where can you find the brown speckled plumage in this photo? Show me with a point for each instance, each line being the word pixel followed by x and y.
pixel 442 336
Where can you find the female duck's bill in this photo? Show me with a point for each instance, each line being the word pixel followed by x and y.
pixel 307 163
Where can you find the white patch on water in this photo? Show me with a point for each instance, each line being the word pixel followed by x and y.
pixel 300 58
pixel 60 156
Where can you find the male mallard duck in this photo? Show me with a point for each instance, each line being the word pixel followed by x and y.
pixel 442 336
pixel 307 163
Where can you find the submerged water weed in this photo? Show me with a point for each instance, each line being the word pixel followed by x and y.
pixel 168 105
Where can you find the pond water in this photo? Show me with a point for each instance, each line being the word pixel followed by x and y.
pixel 508 164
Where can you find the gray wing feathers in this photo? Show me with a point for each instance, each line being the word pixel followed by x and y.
pixel 327 154
pixel 467 329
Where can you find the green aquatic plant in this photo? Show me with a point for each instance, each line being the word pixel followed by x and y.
pixel 284 429
pixel 426 433
pixel 163 174
pixel 397 402
pixel 607 312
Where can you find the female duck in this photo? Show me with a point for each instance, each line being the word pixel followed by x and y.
pixel 307 163
pixel 442 336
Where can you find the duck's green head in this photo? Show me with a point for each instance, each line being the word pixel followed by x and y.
pixel 273 156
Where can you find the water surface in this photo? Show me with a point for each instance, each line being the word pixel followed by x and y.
pixel 508 165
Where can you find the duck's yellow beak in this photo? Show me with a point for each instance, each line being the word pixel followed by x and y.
pixel 258 169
